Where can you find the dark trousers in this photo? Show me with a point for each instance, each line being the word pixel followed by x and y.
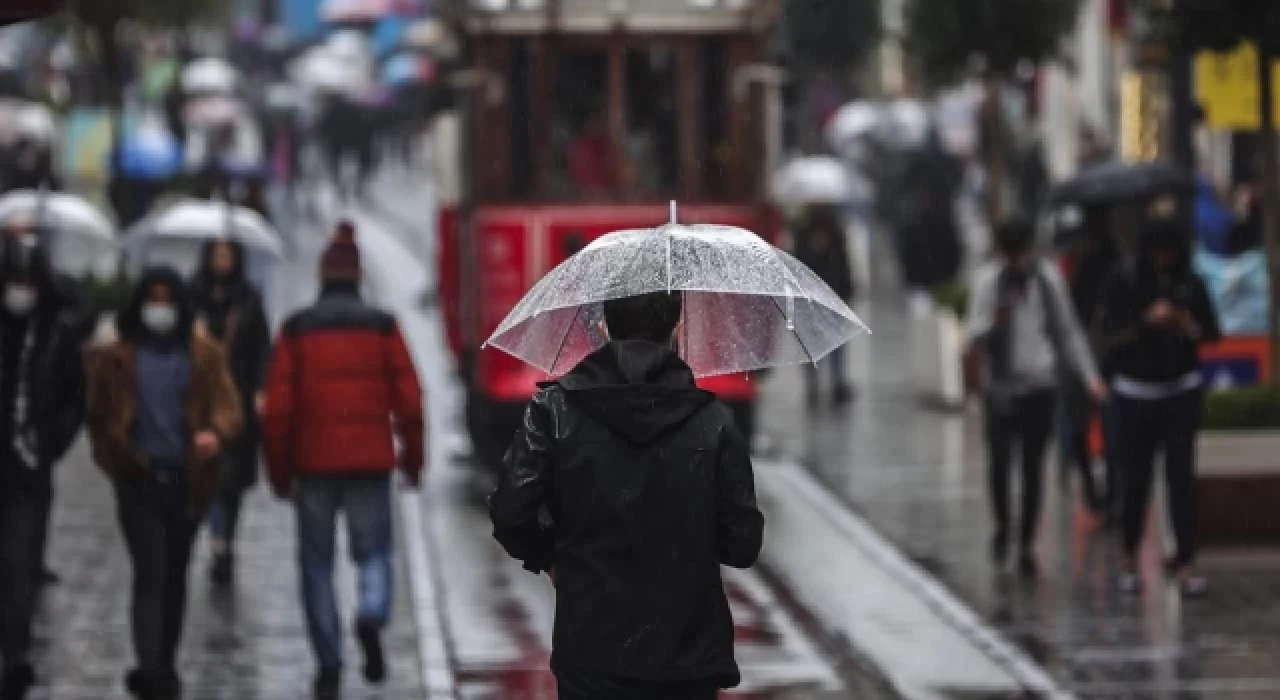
pixel 159 533
pixel 574 685
pixel 1023 422
pixel 24 515
pixel 1169 427
pixel 1076 410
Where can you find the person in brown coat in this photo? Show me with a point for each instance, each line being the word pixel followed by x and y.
pixel 161 406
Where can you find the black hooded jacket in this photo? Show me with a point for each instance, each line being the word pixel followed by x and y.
pixel 1136 349
pixel 66 317
pixel 633 486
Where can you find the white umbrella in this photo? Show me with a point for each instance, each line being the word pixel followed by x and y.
pixel 34 121
pixel 80 237
pixel 63 213
pixel 907 123
pixel 813 180
pixel 321 70
pixel 209 75
pixel 203 221
pixel 851 124
pixel 747 305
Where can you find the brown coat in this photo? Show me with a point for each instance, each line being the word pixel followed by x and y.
pixel 212 404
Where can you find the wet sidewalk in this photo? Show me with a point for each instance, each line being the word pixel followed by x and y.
pixel 919 478
pixel 246 644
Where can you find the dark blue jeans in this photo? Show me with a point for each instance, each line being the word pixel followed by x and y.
pixel 367 504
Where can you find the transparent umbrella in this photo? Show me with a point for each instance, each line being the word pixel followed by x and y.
pixel 747 305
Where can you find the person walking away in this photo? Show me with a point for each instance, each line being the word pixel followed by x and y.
pixel 162 406
pixel 820 244
pixel 1021 329
pixel 1096 262
pixel 43 326
pixel 630 487
pixel 341 391
pixel 1155 318
pixel 230 310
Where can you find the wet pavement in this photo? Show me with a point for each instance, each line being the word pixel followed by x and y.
pixel 918 477
pixel 246 644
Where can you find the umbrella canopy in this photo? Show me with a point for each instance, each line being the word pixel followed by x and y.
pixel 363 11
pixel 906 124
pixel 150 153
pixel 57 212
pixel 431 35
pixel 30 120
pixel 209 75
pixel 747 305
pixel 813 180
pixel 202 221
pixel 78 236
pixel 851 124
pixel 321 70
pixel 1120 181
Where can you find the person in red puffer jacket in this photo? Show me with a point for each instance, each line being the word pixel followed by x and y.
pixel 340 392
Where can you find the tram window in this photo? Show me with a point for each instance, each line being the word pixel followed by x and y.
pixel 715 120
pixel 521 120
pixel 583 165
pixel 652 152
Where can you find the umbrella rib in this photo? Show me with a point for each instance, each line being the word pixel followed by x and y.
pixel 564 339
pixel 794 331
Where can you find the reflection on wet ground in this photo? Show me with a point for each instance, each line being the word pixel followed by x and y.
pixel 919 478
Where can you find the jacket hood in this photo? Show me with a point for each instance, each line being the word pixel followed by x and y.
pixel 1165 235
pixel 639 390
pixel 130 320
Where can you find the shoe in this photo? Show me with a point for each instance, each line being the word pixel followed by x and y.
pixel 1000 549
pixel 328 685
pixel 16 681
pixel 135 681
pixel 1130 583
pixel 1193 586
pixel 222 571
pixel 369 635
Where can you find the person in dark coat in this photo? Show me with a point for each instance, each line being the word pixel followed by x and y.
pixel 929 241
pixel 230 310
pixel 630 487
pixel 44 322
pixel 1154 318
pixel 820 244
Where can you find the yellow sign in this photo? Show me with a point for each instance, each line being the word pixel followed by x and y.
pixel 1227 87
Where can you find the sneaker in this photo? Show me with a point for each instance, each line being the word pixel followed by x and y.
pixel 328 685
pixel 369 634
pixel 17 681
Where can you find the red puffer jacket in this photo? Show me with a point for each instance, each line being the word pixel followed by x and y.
pixel 341 388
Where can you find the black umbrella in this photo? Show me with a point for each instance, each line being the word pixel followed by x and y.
pixel 1119 181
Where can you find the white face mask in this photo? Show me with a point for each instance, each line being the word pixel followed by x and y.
pixel 19 299
pixel 159 318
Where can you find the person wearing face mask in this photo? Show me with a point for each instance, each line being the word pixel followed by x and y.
pixel 44 322
pixel 230 310
pixel 1022 332
pixel 1154 318
pixel 162 406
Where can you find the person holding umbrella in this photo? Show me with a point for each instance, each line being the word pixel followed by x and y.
pixel 626 483
pixel 820 244
pixel 230 310
pixel 43 325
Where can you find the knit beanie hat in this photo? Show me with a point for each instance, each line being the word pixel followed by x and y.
pixel 341 260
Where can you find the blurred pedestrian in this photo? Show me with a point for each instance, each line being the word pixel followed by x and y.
pixel 820 244
pixel 630 487
pixel 1155 318
pixel 1022 329
pixel 341 392
pixel 230 310
pixel 44 322
pixel 162 407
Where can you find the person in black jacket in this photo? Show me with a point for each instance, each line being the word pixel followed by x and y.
pixel 44 323
pixel 230 309
pixel 820 245
pixel 631 487
pixel 1154 320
